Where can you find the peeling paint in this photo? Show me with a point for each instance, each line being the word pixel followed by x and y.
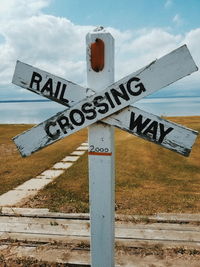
pixel 164 71
pixel 23 76
pixel 179 140
pixel 23 83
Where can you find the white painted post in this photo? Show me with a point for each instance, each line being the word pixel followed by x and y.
pixel 101 155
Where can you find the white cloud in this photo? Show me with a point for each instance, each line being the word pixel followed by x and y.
pixel 57 45
pixel 168 3
pixel 177 20
pixel 192 39
pixel 21 8
pixel 150 44
pixel 45 41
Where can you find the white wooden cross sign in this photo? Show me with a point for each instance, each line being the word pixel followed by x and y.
pixel 101 106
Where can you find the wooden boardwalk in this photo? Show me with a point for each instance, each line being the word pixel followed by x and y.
pixel 65 238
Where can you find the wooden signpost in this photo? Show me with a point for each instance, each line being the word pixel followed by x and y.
pixel 100 52
pixel 107 103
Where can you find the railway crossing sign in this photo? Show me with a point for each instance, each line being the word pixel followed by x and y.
pixel 101 106
pixel 85 107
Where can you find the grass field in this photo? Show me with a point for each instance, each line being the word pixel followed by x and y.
pixel 149 178
pixel 15 170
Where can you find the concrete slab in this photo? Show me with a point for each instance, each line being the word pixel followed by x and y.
pixel 14 196
pixel 71 158
pixel 23 211
pixel 62 165
pixel 50 174
pixel 77 153
pixel 84 144
pixel 30 188
pixel 82 148
pixel 33 184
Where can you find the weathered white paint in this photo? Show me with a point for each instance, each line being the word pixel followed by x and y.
pixel 57 227
pixel 166 218
pixel 48 85
pixel 179 139
pixel 181 144
pixel 101 166
pixel 153 77
pixel 41 223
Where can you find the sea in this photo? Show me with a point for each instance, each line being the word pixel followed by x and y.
pixel 36 111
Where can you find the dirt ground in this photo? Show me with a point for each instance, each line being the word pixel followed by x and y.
pixel 45 255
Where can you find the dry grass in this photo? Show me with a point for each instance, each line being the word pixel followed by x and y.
pixel 149 179
pixel 15 170
pixel 154 179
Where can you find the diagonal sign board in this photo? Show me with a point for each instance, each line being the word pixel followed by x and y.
pixel 154 129
pixel 130 89
pixel 51 86
pixel 131 119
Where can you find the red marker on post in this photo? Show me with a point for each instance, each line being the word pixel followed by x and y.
pixel 97 55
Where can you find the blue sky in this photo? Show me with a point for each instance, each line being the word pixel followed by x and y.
pixel 50 34
pixel 179 15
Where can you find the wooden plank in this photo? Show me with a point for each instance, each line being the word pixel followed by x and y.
pixel 47 238
pixel 50 254
pixel 44 213
pixel 126 231
pixel 41 213
pixel 37 223
pixel 150 127
pixel 23 211
pixel 127 242
pixel 172 217
pixel 44 221
pixel 149 234
pixel 74 256
pixel 130 89
pixel 135 234
pixel 48 85
pixel 161 217
pixel 159 226
pixel 65 230
pixel 167 134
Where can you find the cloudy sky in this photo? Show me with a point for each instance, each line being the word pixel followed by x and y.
pixel 50 34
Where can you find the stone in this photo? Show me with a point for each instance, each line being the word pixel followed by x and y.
pixel 62 165
pixel 71 158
